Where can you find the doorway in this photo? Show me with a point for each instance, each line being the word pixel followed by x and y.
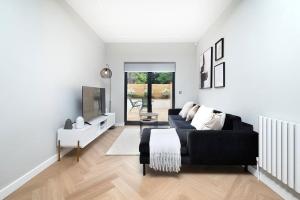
pixel 147 90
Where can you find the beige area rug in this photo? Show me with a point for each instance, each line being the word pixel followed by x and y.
pixel 127 144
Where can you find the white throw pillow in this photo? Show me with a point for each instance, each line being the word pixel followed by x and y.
pixel 192 113
pixel 202 116
pixel 216 123
pixel 185 109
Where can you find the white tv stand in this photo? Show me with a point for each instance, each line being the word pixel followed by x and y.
pixel 79 138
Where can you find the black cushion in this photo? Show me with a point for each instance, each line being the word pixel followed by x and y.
pixel 182 124
pixel 145 139
pixel 176 121
pixel 176 117
pixel 232 122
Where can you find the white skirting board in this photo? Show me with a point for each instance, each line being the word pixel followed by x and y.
pixel 4 192
pixel 284 191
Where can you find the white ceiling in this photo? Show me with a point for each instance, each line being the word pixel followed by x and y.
pixel 149 20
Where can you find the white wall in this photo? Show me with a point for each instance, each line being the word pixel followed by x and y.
pixel 46 54
pixel 262 48
pixel 181 53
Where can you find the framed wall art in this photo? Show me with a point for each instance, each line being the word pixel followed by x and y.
pixel 219 75
pixel 219 49
pixel 206 63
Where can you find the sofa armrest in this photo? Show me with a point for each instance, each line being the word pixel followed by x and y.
pixel 174 111
pixel 246 127
pixel 226 147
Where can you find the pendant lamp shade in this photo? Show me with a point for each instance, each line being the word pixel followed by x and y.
pixel 106 72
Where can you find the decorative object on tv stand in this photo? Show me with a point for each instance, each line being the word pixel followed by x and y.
pixel 206 64
pixel 219 49
pixel 79 122
pixel 107 74
pixel 68 124
pixel 219 75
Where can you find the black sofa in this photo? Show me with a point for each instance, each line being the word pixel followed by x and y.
pixel 235 144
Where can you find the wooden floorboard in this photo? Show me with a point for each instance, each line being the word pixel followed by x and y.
pixel 97 176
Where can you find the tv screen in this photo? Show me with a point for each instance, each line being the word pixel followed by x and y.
pixel 93 102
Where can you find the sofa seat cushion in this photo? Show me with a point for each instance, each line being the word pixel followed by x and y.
pixel 145 139
pixel 182 125
pixel 176 121
pixel 176 117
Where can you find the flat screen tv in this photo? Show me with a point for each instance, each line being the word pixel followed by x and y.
pixel 93 102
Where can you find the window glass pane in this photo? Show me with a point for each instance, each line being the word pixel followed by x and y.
pixel 162 85
pixel 137 96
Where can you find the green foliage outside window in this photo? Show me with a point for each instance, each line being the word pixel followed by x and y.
pixel 159 78
pixel 162 78
pixel 139 77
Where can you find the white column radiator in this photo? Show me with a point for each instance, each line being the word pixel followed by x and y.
pixel 279 150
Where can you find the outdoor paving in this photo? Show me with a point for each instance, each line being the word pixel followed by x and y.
pixel 160 106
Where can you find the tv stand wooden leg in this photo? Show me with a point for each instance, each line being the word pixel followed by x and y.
pixel 58 151
pixel 78 151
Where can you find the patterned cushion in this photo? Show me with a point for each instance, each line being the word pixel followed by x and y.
pixel 192 113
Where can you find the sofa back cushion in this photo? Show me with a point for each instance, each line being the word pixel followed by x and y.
pixel 202 116
pixel 216 122
pixel 185 109
pixel 232 122
pixel 190 115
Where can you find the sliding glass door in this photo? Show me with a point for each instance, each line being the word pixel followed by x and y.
pixel 162 85
pixel 137 94
pixel 148 92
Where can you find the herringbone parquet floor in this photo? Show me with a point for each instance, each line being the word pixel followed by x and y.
pixel 97 176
